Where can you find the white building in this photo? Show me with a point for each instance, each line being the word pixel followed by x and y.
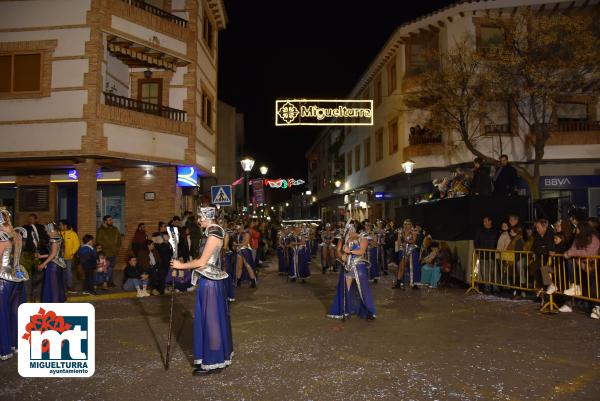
pixel 374 154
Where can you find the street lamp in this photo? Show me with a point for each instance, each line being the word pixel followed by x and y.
pixel 264 170
pixel 247 164
pixel 408 166
pixel 337 183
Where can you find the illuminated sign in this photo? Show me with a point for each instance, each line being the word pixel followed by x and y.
pixel 283 183
pixel 74 175
pixel 289 112
pixel 187 176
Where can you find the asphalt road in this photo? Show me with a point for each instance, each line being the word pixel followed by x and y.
pixel 424 345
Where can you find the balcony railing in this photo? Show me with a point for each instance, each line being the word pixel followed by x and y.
pixel 424 137
pixel 576 125
pixel 144 107
pixel 157 11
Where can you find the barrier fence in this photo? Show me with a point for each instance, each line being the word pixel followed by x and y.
pixel 524 271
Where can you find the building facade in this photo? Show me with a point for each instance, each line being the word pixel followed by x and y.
pixel 374 180
pixel 102 102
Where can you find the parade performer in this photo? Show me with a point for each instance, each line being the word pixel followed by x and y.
pixel 409 257
pixel 371 254
pixel 244 260
pixel 380 235
pixel 229 264
pixel 282 251
pixel 299 264
pixel 12 283
pixel 353 294
pixel 53 288
pixel 327 249
pixel 213 345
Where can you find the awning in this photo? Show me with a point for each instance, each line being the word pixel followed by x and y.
pixel 136 55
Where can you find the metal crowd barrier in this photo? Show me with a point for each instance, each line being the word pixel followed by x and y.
pixel 521 271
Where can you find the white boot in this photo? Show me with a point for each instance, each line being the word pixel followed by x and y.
pixel 139 292
pixel 145 291
pixel 573 291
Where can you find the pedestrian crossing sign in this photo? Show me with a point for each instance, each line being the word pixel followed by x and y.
pixel 221 195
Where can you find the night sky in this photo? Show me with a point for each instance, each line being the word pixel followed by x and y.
pixel 304 49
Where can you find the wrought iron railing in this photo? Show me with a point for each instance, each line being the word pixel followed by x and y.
pixel 424 138
pixel 123 102
pixel 157 11
pixel 576 125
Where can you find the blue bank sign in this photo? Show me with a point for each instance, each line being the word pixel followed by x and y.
pixel 187 176
pixel 570 181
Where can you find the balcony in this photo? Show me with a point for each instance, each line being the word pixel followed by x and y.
pixel 123 102
pixel 157 11
pixel 423 136
pixel 573 132
pixel 576 125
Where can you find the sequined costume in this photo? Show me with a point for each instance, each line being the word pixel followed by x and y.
pixel 358 299
pixel 53 288
pixel 213 345
pixel 298 258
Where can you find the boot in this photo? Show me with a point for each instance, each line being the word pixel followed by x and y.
pixel 397 286
pixel 239 282
pixel 325 269
pixel 253 283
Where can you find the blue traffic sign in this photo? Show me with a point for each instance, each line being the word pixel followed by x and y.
pixel 221 195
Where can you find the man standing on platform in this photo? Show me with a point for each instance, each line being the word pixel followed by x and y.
pixel 505 178
pixel 109 237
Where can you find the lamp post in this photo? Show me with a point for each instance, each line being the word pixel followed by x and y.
pixel 264 170
pixel 247 164
pixel 408 166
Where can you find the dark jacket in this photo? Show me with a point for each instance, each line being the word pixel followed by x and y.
pixel 505 181
pixel 87 257
pixel 143 258
pixel 543 245
pixel 43 239
pixel 131 272
pixel 482 181
pixel 183 249
pixel 486 238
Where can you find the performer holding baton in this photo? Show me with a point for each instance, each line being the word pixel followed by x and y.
pixel 213 346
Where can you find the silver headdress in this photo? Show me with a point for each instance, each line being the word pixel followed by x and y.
pixel 207 213
pixel 50 227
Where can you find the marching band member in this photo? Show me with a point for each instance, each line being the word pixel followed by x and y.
pixel 244 261
pixel 53 288
pixel 327 248
pixel 380 234
pixel 353 294
pixel 282 250
pixel 12 283
pixel 299 263
pixel 213 345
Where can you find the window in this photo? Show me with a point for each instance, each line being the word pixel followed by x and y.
pixel 418 62
pixel 150 91
pixel 392 83
pixel 208 31
pixel 20 73
pixel 393 133
pixel 490 38
pixel 572 117
pixel 416 52
pixel 498 117
pixel 357 158
pixel 377 91
pixel 367 149
pixel 349 163
pixel 379 144
pixel 207 110
pixel 156 3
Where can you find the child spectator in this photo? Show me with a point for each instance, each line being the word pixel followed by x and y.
pixel 102 267
pixel 134 278
pixel 87 258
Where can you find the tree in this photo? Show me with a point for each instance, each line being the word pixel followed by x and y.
pixel 542 58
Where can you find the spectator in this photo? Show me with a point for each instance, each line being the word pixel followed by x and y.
pixel 134 278
pixel 165 253
pixel 505 178
pixel 184 245
pixel 519 259
pixel 36 244
pixel 87 258
pixel 564 227
pixel 482 181
pixel 594 223
pixel 486 239
pixel 139 238
pixel 504 238
pixel 147 257
pixel 175 221
pixel 254 242
pixel 528 237
pixel 585 244
pixel 102 268
pixel 431 271
pixel 445 260
pixel 109 237
pixel 71 245
pixel 542 245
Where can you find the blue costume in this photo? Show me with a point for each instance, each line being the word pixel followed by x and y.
pixel 371 257
pixel 12 294
pixel 299 259
pixel 213 345
pixel 53 288
pixel 327 246
pixel 358 299
pixel 282 253
pixel 246 253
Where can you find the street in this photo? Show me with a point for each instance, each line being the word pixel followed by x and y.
pixel 424 345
